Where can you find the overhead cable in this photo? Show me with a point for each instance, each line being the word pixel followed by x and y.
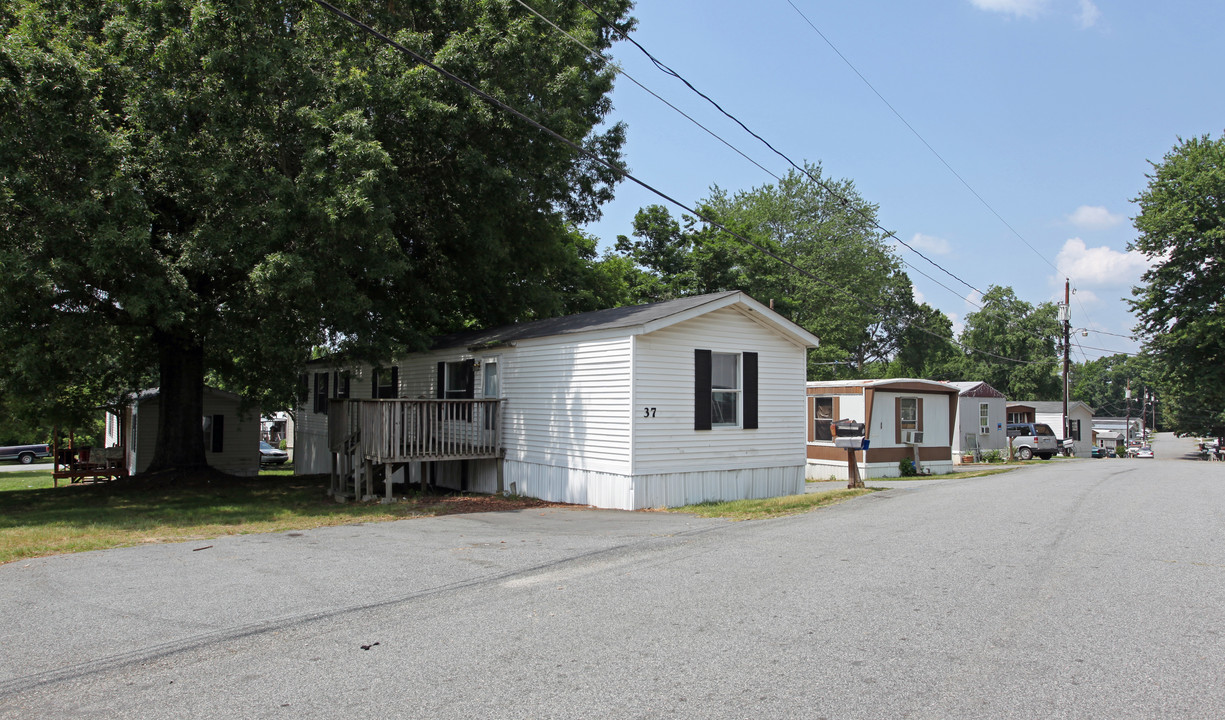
pixel 505 107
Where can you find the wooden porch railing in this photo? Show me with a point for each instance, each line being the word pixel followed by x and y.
pixel 398 431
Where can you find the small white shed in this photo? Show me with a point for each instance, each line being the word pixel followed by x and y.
pixel 231 437
pixel 666 404
pixel 981 416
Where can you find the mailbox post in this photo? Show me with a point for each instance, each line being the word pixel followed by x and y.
pixel 849 434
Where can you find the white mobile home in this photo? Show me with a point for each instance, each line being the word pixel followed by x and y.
pixel 655 405
pixel 981 416
pixel 903 418
pixel 231 434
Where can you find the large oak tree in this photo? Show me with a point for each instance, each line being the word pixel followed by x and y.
pixel 213 188
pixel 1181 303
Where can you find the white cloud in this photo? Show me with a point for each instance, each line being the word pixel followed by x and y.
pixel 919 297
pixel 1094 217
pixel 1100 266
pixel 958 324
pixel 1020 8
pixel 929 244
pixel 1089 14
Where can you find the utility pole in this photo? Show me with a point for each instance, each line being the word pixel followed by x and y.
pixel 1143 411
pixel 1065 316
pixel 1127 427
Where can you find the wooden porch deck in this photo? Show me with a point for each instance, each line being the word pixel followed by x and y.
pixel 363 434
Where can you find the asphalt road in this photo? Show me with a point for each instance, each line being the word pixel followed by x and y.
pixel 1069 589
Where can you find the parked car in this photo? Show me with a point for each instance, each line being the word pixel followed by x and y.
pixel 269 455
pixel 1145 452
pixel 1100 452
pixel 1030 439
pixel 24 454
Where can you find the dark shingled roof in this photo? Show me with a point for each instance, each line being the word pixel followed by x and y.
pixel 611 319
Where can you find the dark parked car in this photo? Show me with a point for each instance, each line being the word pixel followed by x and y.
pixel 1100 452
pixel 269 455
pixel 24 454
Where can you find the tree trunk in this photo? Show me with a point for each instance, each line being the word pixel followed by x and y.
pixel 180 434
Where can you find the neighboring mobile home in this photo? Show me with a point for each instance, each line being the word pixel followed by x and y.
pixel 656 405
pixel 904 418
pixel 231 435
pixel 979 426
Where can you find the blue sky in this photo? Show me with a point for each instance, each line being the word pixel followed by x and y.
pixel 1049 109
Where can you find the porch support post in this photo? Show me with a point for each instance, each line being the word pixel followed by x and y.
pixel 387 481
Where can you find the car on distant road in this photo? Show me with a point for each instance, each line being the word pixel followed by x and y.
pixel 269 455
pixel 1145 452
pixel 24 454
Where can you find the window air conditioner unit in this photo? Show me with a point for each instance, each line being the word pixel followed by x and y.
pixel 912 437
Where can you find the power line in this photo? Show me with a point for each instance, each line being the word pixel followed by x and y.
pixel 621 71
pixel 629 176
pixel 841 198
pixel 920 137
pixel 844 200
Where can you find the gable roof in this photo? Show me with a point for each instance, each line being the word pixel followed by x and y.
pixel 1054 406
pixel 635 319
pixel 892 384
pixel 976 389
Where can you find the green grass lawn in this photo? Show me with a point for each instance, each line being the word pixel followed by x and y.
pixel 37 519
pixel 770 507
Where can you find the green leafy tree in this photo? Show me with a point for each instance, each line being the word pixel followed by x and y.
pixel 1181 303
pixel 1103 383
pixel 1006 330
pixel 208 187
pixel 848 289
pixel 925 346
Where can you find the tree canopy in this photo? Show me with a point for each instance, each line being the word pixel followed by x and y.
pixel 213 188
pixel 1008 329
pixel 1181 303
pixel 838 277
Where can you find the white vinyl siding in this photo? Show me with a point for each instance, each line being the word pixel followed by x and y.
pixel 240 438
pixel 666 442
pixel 567 403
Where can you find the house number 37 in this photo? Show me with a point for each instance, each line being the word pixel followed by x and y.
pixel 648 412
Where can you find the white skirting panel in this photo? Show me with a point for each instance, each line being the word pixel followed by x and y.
pixel 569 485
pixel 311 454
pixel 676 489
pixel 823 469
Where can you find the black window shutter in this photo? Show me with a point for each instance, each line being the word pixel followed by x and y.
pixel 374 384
pixel 321 393
pixel 701 389
pixel 304 387
pixel 394 391
pixel 442 381
pixel 750 390
pixel 218 433
pixel 469 379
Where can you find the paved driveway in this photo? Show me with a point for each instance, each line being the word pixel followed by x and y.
pixel 1078 589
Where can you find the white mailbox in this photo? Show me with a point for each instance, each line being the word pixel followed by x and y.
pixel 850 443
